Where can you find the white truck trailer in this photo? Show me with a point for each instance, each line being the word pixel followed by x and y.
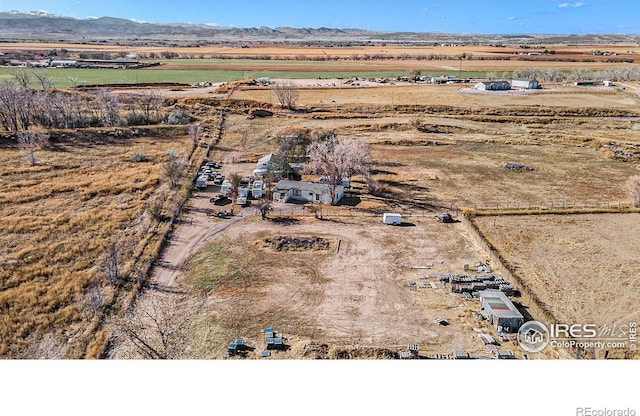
pixel 391 218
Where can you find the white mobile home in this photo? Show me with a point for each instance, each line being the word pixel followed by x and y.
pixel 307 191
pixel 391 218
pixel 494 85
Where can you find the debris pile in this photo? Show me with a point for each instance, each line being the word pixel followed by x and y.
pixel 446 218
pixel 517 166
pixel 286 243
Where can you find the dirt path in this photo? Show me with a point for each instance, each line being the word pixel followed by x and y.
pixel 191 234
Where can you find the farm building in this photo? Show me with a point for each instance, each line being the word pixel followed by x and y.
pixel 525 83
pixel 495 85
pixel 307 192
pixel 502 312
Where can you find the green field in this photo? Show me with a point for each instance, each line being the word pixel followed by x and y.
pixel 68 77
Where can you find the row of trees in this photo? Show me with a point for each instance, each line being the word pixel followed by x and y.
pixel 624 73
pixel 22 106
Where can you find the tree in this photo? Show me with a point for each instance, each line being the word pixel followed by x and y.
pixel 195 132
pixel 22 77
pixel 634 190
pixel 235 181
pixel 161 325
pixel 108 108
pixel 265 207
pixel 150 102
pixel 336 159
pixel 278 168
pixel 413 74
pixel 44 79
pixel 112 263
pixel 287 94
pixel 173 169
pixel 28 143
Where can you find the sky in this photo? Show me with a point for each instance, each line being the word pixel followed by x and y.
pixel 452 16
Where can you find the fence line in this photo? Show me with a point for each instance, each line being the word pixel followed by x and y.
pixel 542 205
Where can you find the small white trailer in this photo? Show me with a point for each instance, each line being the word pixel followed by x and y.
pixel 257 189
pixel 225 187
pixel 391 218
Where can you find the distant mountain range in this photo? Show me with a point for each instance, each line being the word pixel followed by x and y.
pixel 36 26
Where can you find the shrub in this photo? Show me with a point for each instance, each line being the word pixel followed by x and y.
pixel 138 157
pixel 178 116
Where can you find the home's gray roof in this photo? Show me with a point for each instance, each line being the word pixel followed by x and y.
pixel 318 188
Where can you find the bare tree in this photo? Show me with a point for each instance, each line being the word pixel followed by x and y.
pixel 287 94
pixel 112 263
pixel 265 208
pixel 150 102
pixel 15 107
pixel 160 327
pixel 336 159
pixel 22 77
pixel 634 190
pixel 28 144
pixel 44 80
pixel 195 132
pixel 173 169
pixel 108 108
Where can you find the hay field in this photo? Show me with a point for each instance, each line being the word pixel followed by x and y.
pixel 56 221
pixel 333 93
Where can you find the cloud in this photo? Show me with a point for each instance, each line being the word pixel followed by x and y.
pixel 424 10
pixel 511 18
pixel 133 19
pixel 571 5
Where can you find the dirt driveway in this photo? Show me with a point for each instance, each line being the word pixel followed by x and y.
pixel 196 228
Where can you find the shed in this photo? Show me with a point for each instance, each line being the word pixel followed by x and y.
pixel 525 83
pixel 502 312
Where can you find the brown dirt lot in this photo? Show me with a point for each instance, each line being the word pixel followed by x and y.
pixel 355 297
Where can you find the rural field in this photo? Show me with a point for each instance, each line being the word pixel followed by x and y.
pixel 343 292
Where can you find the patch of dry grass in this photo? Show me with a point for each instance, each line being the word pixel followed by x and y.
pixel 56 221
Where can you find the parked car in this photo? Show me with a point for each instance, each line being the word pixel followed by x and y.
pixel 201 182
pixel 212 165
pixel 219 199
pixel 218 179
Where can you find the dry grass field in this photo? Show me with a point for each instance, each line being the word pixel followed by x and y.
pixel 584 267
pixel 57 219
